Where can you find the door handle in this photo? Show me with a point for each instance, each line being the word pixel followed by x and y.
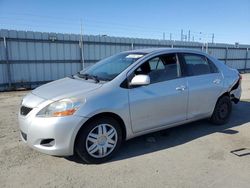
pixel 181 88
pixel 216 81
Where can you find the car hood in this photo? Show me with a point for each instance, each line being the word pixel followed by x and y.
pixel 66 87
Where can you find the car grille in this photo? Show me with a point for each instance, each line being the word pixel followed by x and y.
pixel 25 110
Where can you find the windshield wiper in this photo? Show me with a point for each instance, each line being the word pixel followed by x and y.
pixel 94 78
pixel 88 76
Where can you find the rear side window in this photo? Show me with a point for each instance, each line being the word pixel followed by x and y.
pixel 198 65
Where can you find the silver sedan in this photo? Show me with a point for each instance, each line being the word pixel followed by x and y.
pixel 126 95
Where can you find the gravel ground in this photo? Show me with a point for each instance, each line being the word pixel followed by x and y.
pixel 193 155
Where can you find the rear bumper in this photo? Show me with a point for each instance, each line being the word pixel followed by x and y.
pixel 235 93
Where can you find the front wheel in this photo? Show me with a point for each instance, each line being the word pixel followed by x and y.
pixel 222 111
pixel 98 140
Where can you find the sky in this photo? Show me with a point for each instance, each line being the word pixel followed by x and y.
pixel 227 20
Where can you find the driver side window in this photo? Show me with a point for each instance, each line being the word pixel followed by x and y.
pixel 156 64
pixel 160 68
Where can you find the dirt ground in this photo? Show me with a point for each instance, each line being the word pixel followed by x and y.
pixel 193 155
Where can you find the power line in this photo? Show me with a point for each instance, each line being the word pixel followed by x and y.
pixel 87 20
pixel 57 24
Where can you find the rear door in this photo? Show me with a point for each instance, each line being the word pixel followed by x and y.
pixel 204 83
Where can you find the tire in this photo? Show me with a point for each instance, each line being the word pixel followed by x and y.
pixel 98 140
pixel 222 111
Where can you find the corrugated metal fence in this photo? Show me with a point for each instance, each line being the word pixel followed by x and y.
pixel 28 59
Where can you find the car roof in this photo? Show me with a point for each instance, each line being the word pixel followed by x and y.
pixel 166 50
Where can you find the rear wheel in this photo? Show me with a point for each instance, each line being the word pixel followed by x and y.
pixel 98 140
pixel 222 111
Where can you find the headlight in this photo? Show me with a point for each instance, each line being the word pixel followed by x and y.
pixel 64 107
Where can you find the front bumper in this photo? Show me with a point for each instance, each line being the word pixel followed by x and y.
pixel 35 131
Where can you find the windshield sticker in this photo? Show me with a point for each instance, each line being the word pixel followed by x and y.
pixel 134 56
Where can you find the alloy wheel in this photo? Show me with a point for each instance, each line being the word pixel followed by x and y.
pixel 101 140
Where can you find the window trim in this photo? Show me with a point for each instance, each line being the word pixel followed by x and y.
pixel 209 62
pixel 125 82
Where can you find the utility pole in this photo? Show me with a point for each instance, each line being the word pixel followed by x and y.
pixel 182 35
pixel 212 38
pixel 170 36
pixel 163 35
pixel 188 35
pixel 81 46
pixel 7 62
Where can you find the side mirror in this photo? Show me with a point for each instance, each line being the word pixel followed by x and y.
pixel 140 80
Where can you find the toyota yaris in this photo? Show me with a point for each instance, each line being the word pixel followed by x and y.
pixel 126 95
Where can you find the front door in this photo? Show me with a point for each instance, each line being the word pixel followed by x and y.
pixel 164 100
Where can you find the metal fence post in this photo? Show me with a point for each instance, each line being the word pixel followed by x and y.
pixel 245 66
pixel 81 54
pixel 7 62
pixel 82 47
pixel 226 55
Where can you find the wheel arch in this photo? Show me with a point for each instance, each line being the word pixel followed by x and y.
pixel 223 94
pixel 105 114
pixel 226 93
pixel 214 117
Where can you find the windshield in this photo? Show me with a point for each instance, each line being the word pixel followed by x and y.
pixel 107 69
